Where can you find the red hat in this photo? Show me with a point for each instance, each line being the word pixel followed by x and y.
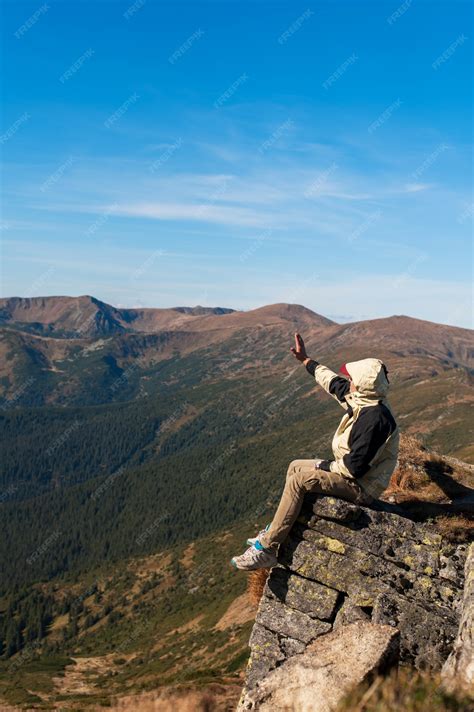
pixel 344 371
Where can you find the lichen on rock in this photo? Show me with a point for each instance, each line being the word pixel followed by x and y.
pixel 346 565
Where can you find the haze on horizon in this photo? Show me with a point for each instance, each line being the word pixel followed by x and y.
pixel 240 154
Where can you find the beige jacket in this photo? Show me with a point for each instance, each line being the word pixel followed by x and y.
pixel 369 377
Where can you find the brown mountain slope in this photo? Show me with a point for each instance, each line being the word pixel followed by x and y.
pixel 73 315
pixel 415 337
pixel 87 316
pixel 413 349
pixel 431 365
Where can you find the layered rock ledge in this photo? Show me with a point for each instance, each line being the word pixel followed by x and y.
pixel 343 564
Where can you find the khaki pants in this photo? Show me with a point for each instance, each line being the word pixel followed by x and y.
pixel 303 477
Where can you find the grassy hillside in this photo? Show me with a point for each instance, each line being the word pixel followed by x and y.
pixel 174 618
pixel 180 618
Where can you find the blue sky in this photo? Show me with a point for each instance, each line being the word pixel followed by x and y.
pixel 240 154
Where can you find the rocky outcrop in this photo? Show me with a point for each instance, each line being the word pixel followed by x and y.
pixel 332 665
pixel 345 564
pixel 458 671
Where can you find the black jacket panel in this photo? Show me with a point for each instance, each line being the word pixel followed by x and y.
pixel 370 431
pixel 339 387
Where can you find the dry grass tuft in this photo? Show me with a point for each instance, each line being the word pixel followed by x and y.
pixel 456 528
pixel 256 583
pixel 412 474
pixel 404 689
pixel 427 475
pixel 215 698
pixel 428 485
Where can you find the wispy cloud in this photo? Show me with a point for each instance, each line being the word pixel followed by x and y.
pixel 221 214
pixel 416 187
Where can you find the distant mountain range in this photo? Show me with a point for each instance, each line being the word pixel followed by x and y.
pixel 53 339
pixel 79 317
pixel 86 316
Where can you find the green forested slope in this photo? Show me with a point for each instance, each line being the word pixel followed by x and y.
pixel 185 463
pixel 128 453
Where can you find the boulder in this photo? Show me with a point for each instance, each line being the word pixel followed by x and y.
pixel 458 671
pixel 317 680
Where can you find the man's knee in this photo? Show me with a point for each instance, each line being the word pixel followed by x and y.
pixel 302 480
pixel 296 466
pixel 292 468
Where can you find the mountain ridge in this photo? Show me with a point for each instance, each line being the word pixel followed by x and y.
pixel 88 316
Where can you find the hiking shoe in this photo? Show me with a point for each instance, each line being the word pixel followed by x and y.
pixel 254 558
pixel 254 539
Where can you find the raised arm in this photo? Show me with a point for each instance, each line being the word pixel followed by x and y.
pixel 337 386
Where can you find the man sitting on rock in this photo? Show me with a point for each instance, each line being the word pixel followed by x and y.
pixel 365 448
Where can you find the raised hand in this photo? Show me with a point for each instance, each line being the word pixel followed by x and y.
pixel 299 350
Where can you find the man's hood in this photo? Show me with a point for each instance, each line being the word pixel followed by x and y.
pixel 369 377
